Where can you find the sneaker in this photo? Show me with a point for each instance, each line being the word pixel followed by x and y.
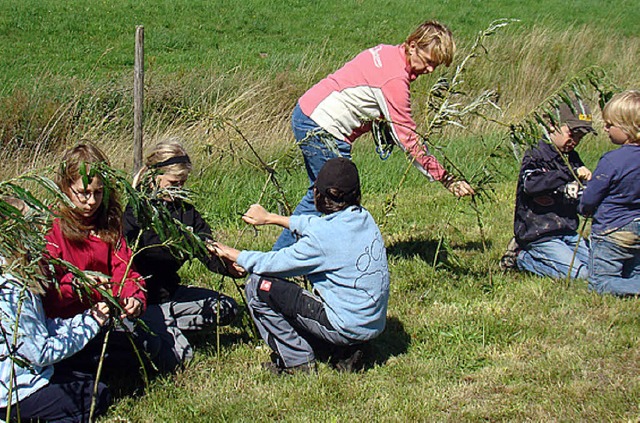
pixel 305 368
pixel 271 367
pixel 276 366
pixel 351 363
pixel 510 256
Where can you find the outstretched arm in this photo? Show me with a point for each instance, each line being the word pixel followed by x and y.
pixel 258 215
pixel 397 109
pixel 226 252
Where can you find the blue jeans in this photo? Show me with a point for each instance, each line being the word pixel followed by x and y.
pixel 615 261
pixel 553 257
pixel 318 146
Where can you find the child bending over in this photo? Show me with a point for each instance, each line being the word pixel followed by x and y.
pixel 546 220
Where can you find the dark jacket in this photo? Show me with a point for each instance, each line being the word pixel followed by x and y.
pixel 543 211
pixel 157 263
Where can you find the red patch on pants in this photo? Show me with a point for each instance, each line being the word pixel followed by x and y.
pixel 265 285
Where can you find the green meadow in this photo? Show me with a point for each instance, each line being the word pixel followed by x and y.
pixel 464 341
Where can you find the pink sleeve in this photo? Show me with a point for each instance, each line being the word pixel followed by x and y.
pixel 397 96
pixel 133 285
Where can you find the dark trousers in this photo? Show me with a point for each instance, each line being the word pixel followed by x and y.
pixel 67 398
pixel 120 356
pixel 291 320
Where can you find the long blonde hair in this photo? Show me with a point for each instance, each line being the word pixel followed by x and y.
pixel 107 221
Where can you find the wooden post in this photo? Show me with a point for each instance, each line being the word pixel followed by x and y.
pixel 138 98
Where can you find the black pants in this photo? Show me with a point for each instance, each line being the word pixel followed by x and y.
pixel 67 398
pixel 120 357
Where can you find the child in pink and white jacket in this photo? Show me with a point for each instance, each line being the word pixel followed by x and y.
pixel 373 87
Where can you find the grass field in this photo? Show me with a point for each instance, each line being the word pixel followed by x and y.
pixel 465 341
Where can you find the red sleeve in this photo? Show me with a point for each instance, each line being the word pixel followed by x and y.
pixel 133 285
pixel 398 112
pixel 63 300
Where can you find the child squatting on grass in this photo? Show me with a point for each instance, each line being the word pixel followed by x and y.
pixel 173 307
pixel 613 199
pixel 88 235
pixel 371 91
pixel 30 388
pixel 342 254
pixel 549 185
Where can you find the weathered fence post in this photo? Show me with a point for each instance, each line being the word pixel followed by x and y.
pixel 138 97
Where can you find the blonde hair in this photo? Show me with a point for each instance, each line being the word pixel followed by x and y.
pixel 436 39
pixel 623 111
pixel 107 221
pixel 163 151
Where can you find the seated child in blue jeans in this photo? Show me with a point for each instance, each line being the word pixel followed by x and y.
pixel 546 217
pixel 344 257
pixel 613 199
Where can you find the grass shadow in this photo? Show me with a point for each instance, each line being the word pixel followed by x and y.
pixel 206 341
pixel 425 249
pixel 392 342
pixel 449 258
pixel 475 246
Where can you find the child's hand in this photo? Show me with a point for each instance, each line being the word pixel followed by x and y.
pixel 583 173
pixel 572 190
pixel 256 215
pixel 100 312
pixel 461 188
pixel 132 307
pixel 226 252
pixel 102 282
pixel 235 269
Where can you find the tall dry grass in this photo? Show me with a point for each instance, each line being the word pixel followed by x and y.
pixel 528 66
pixel 524 66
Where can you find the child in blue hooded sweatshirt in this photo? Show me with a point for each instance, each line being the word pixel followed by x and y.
pixel 342 254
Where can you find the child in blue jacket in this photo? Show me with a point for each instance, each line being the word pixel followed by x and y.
pixel 342 254
pixel 613 199
pixel 30 344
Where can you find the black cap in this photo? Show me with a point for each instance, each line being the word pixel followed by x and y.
pixel 341 174
pixel 578 119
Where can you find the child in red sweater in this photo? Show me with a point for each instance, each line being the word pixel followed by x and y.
pixel 88 235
